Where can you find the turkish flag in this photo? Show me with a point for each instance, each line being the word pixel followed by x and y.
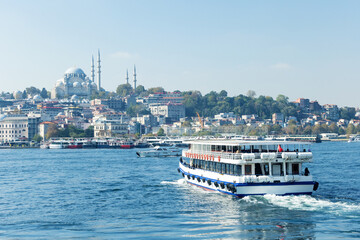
pixel 280 149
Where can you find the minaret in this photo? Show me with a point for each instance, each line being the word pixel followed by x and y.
pixel 92 69
pixel 99 72
pixel 134 77
pixel 127 77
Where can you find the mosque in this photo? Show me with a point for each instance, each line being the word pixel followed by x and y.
pixel 75 82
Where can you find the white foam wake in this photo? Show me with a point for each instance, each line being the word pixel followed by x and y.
pixel 309 203
pixel 176 182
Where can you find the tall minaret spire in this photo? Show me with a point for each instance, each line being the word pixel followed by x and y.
pixel 99 72
pixel 127 77
pixel 134 77
pixel 92 69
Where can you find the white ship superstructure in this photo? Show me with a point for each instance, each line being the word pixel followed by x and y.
pixel 243 168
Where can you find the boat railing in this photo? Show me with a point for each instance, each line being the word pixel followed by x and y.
pixel 265 156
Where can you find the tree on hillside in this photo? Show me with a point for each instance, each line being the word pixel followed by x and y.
pixel 140 89
pixel 24 95
pixel 52 131
pixel 347 113
pixel 32 91
pixel 251 93
pixel 155 90
pixel 44 93
pixel 124 90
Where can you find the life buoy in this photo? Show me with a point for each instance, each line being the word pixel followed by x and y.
pixel 219 158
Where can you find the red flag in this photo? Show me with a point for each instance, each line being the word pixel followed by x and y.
pixel 280 149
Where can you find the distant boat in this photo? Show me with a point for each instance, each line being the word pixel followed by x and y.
pixel 160 152
pixel 354 139
pixel 58 144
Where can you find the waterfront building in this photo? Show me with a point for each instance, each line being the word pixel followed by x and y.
pixel 13 127
pixel 109 128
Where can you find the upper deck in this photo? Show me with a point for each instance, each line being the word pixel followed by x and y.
pixel 239 151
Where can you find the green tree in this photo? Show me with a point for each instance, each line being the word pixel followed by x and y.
pixel 24 95
pixel 350 129
pixel 37 138
pixel 89 132
pixel 347 113
pixel 52 131
pixel 223 94
pixel 32 91
pixel 161 132
pixel 44 93
pixel 140 89
pixel 155 90
pixel 124 90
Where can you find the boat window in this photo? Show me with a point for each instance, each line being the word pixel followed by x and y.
pixel 223 168
pixel 266 168
pixel 231 169
pixel 228 168
pixel 218 167
pixel 248 170
pixel 237 170
pixel 295 169
pixel 258 169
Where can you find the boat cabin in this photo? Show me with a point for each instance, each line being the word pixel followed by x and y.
pixel 249 158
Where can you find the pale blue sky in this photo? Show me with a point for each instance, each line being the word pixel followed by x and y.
pixel 305 49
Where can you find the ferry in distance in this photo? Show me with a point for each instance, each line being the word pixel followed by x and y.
pixel 243 168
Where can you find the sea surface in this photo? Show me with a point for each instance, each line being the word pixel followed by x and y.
pixel 113 194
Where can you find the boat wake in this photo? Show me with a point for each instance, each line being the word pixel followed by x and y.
pixel 176 182
pixel 309 203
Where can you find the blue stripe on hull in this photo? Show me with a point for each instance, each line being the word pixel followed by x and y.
pixel 244 195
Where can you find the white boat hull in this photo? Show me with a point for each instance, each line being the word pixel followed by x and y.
pixel 238 189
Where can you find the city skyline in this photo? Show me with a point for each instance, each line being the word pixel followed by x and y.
pixel 298 49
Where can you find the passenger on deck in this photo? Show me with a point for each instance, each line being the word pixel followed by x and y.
pixel 307 172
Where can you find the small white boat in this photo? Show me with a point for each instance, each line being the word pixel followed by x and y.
pixel 160 152
pixel 354 139
pixel 58 144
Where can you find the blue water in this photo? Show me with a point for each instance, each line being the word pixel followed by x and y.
pixel 112 194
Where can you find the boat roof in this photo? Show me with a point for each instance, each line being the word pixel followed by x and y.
pixel 245 142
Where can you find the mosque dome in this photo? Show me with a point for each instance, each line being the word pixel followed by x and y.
pixel 74 98
pixel 37 97
pixel 76 84
pixel 59 83
pixel 75 70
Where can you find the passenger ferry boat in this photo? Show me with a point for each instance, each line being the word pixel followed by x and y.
pixel 243 168
pixel 158 151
